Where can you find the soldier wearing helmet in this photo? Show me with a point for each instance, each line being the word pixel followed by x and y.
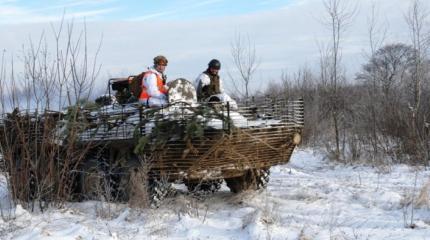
pixel 154 89
pixel 209 83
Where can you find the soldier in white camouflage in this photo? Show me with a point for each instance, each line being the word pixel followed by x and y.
pixel 209 83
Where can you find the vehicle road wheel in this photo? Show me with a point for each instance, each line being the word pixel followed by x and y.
pixel 252 179
pixel 205 187
pixel 238 184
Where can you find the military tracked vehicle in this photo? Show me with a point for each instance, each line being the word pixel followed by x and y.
pixel 200 144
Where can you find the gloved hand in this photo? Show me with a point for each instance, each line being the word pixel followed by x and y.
pixel 164 79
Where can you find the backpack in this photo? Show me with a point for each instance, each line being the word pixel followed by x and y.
pixel 136 85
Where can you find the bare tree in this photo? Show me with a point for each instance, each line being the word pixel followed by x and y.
pixel 245 61
pixel 376 34
pixel 416 19
pixel 340 16
pixel 40 147
pixel 38 74
pixel 2 79
pixel 383 79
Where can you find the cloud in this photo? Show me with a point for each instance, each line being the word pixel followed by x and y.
pixel 90 13
pixel 70 5
pixel 12 13
pixel 205 3
pixel 267 2
pixel 152 15
pixel 7 1
pixel 11 10
pixel 177 10
pixel 285 39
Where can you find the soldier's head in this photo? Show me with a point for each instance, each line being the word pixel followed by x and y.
pixel 160 63
pixel 214 66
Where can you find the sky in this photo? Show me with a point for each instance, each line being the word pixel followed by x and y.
pixel 287 34
pixel 26 11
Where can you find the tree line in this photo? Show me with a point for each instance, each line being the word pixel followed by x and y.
pixel 382 114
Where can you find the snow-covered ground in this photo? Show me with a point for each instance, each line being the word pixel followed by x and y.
pixel 306 199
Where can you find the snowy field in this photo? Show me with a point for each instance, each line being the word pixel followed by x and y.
pixel 306 199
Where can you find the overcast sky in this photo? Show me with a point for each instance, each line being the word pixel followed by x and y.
pixel 189 33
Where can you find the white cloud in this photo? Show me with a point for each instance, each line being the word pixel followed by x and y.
pixel 69 5
pixel 153 15
pixel 205 3
pixel 7 1
pixel 11 10
pixel 285 39
pixel 179 9
pixel 12 13
pixel 90 13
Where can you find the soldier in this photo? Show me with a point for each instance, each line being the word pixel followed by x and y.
pixel 209 83
pixel 154 89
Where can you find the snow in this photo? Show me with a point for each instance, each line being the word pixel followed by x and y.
pixel 181 90
pixel 309 198
pixel 125 128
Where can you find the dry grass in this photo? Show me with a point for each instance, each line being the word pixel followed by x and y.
pixel 138 188
pixel 423 199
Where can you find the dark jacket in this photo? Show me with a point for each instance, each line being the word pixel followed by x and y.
pixel 203 92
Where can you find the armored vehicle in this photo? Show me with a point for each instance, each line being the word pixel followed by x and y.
pixel 128 147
